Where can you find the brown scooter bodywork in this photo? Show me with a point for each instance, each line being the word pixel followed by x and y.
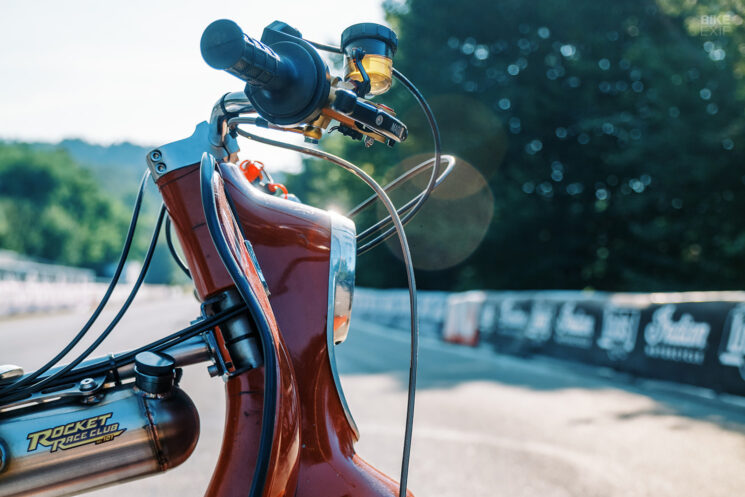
pixel 292 244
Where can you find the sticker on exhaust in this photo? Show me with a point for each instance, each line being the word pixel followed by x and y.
pixel 93 430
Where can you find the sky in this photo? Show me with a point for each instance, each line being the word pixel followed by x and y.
pixel 131 70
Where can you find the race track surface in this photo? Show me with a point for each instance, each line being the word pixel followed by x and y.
pixel 486 425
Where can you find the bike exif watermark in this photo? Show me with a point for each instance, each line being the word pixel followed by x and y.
pixel 718 24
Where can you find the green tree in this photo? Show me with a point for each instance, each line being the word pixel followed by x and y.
pixel 53 209
pixel 610 136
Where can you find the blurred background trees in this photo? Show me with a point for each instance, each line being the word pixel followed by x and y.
pixel 600 145
pixel 75 211
pixel 51 208
pixel 608 133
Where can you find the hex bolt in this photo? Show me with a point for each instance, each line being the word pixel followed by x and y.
pixel 87 384
pixel 161 168
pixel 155 155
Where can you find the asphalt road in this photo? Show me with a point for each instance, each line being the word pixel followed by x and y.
pixel 486 425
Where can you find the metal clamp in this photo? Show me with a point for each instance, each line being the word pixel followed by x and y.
pixel 187 152
pixel 87 391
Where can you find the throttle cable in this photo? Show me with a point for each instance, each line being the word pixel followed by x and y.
pixel 435 164
pixel 171 247
pixel 26 379
pixel 105 333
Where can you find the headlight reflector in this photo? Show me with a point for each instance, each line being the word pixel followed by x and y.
pixel 342 261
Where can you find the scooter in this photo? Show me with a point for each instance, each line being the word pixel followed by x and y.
pixel 275 279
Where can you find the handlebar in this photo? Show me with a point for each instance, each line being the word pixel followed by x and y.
pixel 224 46
pixel 287 82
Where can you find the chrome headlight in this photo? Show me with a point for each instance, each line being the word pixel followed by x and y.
pixel 342 260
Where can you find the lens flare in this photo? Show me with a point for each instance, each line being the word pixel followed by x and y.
pixel 454 220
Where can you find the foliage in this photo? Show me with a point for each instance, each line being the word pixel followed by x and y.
pixel 609 135
pixel 52 209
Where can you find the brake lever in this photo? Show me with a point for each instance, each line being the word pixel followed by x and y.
pixel 362 117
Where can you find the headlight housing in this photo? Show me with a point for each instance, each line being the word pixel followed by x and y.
pixel 342 261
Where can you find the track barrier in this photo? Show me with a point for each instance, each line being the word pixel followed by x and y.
pixel 695 338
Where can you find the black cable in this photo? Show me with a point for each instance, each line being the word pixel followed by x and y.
pixel 102 336
pixel 435 166
pixel 186 333
pixel 119 360
pixel 408 206
pixel 325 48
pixel 26 379
pixel 414 171
pixel 169 241
pixel 268 347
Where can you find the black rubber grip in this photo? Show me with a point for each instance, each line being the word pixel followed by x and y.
pixel 224 46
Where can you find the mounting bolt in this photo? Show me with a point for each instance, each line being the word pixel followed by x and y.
pixel 155 155
pixel 369 141
pixel 160 167
pixel 87 384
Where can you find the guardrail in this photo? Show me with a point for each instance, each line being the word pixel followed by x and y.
pixel 27 297
pixel 15 266
pixel 696 338
pixel 31 286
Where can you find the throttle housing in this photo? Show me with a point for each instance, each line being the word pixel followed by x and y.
pixel 287 82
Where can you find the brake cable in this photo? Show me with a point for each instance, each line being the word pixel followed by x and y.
pixel 435 165
pixel 116 361
pixel 105 333
pixel 169 241
pixel 26 379
pixel 410 173
pixel 396 183
pixel 268 347
pixel 437 145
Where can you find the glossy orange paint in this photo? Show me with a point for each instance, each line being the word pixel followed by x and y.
pixel 242 432
pixel 283 465
pixel 291 242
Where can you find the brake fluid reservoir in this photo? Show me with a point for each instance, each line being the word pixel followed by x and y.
pixel 378 44
pixel 71 448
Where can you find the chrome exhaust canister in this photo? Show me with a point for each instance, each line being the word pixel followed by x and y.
pixel 121 433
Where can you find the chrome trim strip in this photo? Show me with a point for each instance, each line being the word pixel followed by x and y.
pixel 342 261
